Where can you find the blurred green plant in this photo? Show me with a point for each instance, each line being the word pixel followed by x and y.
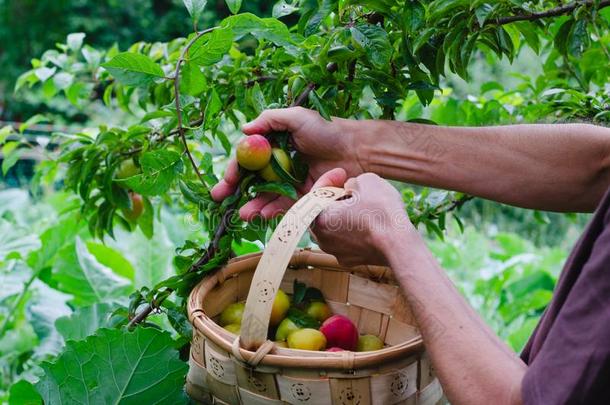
pixel 506 278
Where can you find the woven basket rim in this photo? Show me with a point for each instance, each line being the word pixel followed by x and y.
pixel 282 357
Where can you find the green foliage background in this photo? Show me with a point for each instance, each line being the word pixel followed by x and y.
pixel 75 269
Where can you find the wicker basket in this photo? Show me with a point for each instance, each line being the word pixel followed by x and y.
pixel 249 369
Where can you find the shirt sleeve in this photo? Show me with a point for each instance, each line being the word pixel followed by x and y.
pixel 573 364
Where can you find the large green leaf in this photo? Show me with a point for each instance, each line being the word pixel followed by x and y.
pixel 152 259
pixel 211 47
pixel 13 200
pixel 133 69
pixel 112 259
pixel 77 272
pixel 192 79
pixel 270 29
pixel 84 321
pixel 375 43
pixel 24 393
pixel 15 240
pixel 44 307
pixel 159 170
pixel 116 367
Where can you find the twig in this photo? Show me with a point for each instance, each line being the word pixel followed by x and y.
pixel 300 100
pixel 554 12
pixel 177 100
pixel 207 256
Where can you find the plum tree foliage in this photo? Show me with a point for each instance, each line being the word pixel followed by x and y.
pixel 344 58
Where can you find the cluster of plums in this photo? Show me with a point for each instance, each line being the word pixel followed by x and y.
pixel 336 333
pixel 254 153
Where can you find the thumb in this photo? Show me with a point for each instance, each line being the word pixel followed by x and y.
pixel 332 178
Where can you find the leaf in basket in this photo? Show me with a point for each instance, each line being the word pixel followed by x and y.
pixel 301 319
pixel 313 294
pixel 299 289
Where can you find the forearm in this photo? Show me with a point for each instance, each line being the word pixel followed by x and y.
pixel 550 167
pixel 473 365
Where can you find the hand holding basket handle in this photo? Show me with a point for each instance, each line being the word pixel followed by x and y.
pixel 275 259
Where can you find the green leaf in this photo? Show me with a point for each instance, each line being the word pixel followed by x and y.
pixel 298 292
pixel 77 272
pixel 319 106
pixel 192 80
pixel 282 9
pixel 195 8
pixel 211 47
pixel 159 171
pixel 374 41
pixel 269 29
pixel 482 12
pixel 24 393
pixel 301 319
pixel 35 119
pixel 133 69
pixel 63 80
pixel 151 258
pixel 561 38
pixel 579 39
pixel 285 189
pixel 75 41
pixel 43 73
pixel 323 11
pixel 11 155
pixel 234 5
pixel 256 99
pixel 84 321
pixel 147 219
pixel 5 132
pixel 212 108
pixel 114 366
pixel 414 16
pixel 527 29
pixel 313 294
pixel 112 259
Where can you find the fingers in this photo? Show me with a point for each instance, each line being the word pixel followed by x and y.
pixel 285 119
pixel 266 205
pixel 227 185
pixel 253 208
pixel 332 178
pixel 276 207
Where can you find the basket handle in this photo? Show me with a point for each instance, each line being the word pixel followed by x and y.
pixel 274 261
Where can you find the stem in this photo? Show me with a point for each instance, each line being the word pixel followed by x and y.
pixel 300 100
pixel 554 12
pixel 180 128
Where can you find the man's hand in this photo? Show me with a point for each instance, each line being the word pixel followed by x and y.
pixel 324 144
pixel 357 230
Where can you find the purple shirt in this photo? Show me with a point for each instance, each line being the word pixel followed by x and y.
pixel 569 352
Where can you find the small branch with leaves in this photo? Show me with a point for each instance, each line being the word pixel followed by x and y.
pixel 220 231
pixel 554 12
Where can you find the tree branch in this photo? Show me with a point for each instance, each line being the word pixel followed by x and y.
pixel 300 100
pixel 180 128
pixel 218 234
pixel 554 12
pixel 207 256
